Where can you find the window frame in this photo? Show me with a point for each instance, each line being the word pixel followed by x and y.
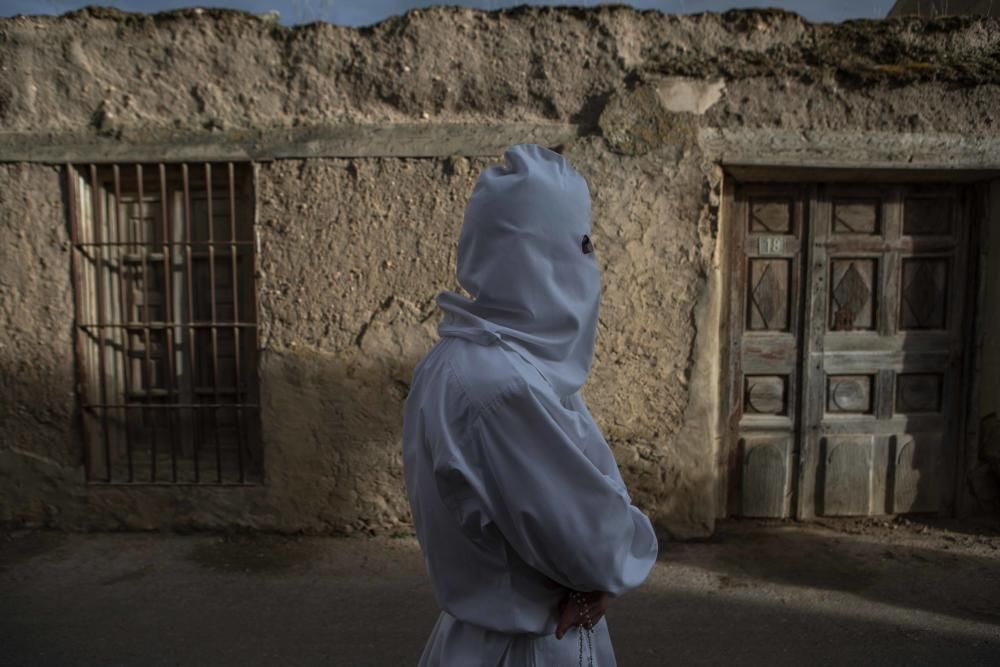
pixel 167 235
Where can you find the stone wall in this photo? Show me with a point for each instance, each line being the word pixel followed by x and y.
pixel 369 141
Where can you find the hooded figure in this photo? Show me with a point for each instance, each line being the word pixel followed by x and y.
pixel 515 495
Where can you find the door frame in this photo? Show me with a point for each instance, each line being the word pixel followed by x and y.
pixel 976 206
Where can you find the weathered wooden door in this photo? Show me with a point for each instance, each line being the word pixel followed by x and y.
pixel 767 318
pixel 847 314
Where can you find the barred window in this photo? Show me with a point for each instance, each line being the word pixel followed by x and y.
pixel 166 334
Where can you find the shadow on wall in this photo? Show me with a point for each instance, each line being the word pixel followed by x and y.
pixel 40 455
pixel 332 428
pixel 677 494
pixel 331 444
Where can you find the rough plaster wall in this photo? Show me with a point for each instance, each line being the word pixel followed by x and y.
pixel 655 250
pixel 354 250
pixel 353 253
pixel 118 74
pixel 41 449
pixel 38 453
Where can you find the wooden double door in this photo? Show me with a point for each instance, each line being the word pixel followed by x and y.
pixel 845 348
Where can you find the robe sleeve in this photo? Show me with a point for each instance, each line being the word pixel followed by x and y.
pixel 556 509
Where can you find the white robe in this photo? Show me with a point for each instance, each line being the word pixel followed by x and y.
pixel 515 495
pixel 516 499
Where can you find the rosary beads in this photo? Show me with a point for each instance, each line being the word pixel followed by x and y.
pixel 587 627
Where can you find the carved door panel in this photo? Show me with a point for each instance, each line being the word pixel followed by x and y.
pixel 882 350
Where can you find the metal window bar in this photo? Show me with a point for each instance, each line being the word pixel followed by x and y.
pixel 166 334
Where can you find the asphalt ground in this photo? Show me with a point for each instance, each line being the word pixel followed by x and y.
pixel 852 593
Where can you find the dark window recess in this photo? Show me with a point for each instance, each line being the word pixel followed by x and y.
pixel 166 321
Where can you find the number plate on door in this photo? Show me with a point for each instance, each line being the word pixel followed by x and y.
pixel 771 245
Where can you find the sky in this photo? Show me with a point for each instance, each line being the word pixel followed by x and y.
pixel 366 12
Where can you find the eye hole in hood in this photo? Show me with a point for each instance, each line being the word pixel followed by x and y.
pixel 526 257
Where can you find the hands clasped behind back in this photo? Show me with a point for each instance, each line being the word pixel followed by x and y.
pixel 570 615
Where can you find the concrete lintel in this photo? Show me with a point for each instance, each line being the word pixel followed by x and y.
pixel 759 147
pixel 346 140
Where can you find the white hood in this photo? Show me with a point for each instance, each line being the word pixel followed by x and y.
pixel 522 256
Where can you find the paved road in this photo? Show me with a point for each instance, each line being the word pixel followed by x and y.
pixel 753 595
